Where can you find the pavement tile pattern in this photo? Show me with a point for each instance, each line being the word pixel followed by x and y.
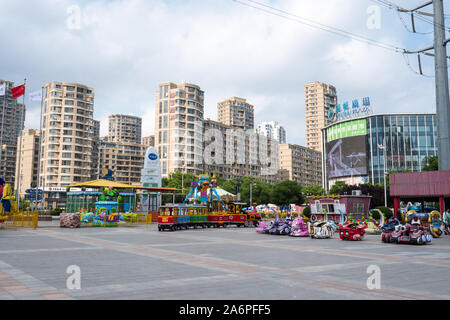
pixel 141 263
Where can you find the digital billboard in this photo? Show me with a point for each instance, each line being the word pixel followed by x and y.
pixel 347 157
pixel 347 129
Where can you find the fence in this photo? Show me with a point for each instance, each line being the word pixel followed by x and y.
pixel 19 220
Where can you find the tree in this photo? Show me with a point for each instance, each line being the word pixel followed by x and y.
pixel 287 192
pixel 431 164
pixel 338 187
pixel 313 190
pixel 178 180
pixel 376 191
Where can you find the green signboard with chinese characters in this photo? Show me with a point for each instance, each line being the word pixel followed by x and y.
pixel 347 129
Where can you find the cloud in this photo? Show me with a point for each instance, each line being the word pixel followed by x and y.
pixel 124 49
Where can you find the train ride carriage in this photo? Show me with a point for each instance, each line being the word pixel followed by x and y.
pixel 168 218
pixel 236 215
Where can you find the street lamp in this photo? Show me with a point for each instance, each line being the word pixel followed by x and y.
pixel 251 195
pixel 383 147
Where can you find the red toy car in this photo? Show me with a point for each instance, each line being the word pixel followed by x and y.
pixel 352 231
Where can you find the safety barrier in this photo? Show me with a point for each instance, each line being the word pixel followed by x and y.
pixel 20 220
pixel 141 219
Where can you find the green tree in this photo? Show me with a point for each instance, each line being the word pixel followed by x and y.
pixel 431 164
pixel 338 187
pixel 313 190
pixel 287 192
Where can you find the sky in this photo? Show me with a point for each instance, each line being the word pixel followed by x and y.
pixel 124 49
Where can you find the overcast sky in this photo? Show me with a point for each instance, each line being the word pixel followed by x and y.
pixel 124 49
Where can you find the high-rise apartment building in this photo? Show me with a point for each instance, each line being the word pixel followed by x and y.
pixel 124 159
pixel 319 98
pixel 68 135
pixel 236 112
pixel 231 153
pixel 149 141
pixel 12 120
pixel 29 152
pixel 272 130
pixel 304 165
pixel 125 128
pixel 179 127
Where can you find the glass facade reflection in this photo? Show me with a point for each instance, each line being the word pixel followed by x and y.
pixel 408 139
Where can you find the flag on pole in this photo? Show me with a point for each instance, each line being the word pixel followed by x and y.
pixel 2 90
pixel 36 96
pixel 18 91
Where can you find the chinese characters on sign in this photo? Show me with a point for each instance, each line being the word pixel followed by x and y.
pixel 357 109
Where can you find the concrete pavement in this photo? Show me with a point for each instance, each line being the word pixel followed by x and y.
pixel 142 263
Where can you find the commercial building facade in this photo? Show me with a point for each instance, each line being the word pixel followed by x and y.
pixel 354 149
pixel 303 165
pixel 319 99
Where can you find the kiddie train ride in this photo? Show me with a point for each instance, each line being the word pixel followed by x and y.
pixel 208 210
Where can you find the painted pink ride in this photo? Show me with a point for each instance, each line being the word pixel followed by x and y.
pixel 262 227
pixel 299 228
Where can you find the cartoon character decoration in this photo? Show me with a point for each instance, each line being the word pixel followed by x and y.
pixel 320 230
pixel 110 194
pixel 7 199
pixel 204 186
pixel 299 228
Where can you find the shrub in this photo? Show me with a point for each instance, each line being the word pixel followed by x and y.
pixel 307 212
pixel 56 212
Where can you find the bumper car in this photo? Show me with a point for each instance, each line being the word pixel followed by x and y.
pixel 409 234
pixel 352 231
pixel 320 230
pixel 284 228
pixel 432 222
pixel 388 228
pixel 299 228
pixel 262 227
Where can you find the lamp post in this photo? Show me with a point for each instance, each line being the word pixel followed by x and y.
pixel 251 194
pixel 383 147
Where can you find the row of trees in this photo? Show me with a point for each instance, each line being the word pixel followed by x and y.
pixel 283 193
pixel 288 192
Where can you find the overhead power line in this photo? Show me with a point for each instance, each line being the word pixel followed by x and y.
pixel 317 25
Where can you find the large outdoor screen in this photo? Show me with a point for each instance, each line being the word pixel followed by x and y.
pixel 347 157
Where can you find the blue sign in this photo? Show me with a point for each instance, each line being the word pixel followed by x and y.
pixel 153 156
pixel 357 109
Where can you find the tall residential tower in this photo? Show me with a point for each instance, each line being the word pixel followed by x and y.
pixel 319 98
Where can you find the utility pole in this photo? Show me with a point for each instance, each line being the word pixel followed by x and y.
pixel 441 74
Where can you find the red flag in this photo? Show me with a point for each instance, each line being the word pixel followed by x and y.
pixel 18 91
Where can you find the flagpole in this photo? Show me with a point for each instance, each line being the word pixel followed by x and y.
pixel 39 153
pixel 3 120
pixel 20 144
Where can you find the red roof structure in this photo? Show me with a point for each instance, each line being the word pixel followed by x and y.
pixel 431 185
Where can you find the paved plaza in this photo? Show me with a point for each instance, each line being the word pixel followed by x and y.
pixel 141 263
